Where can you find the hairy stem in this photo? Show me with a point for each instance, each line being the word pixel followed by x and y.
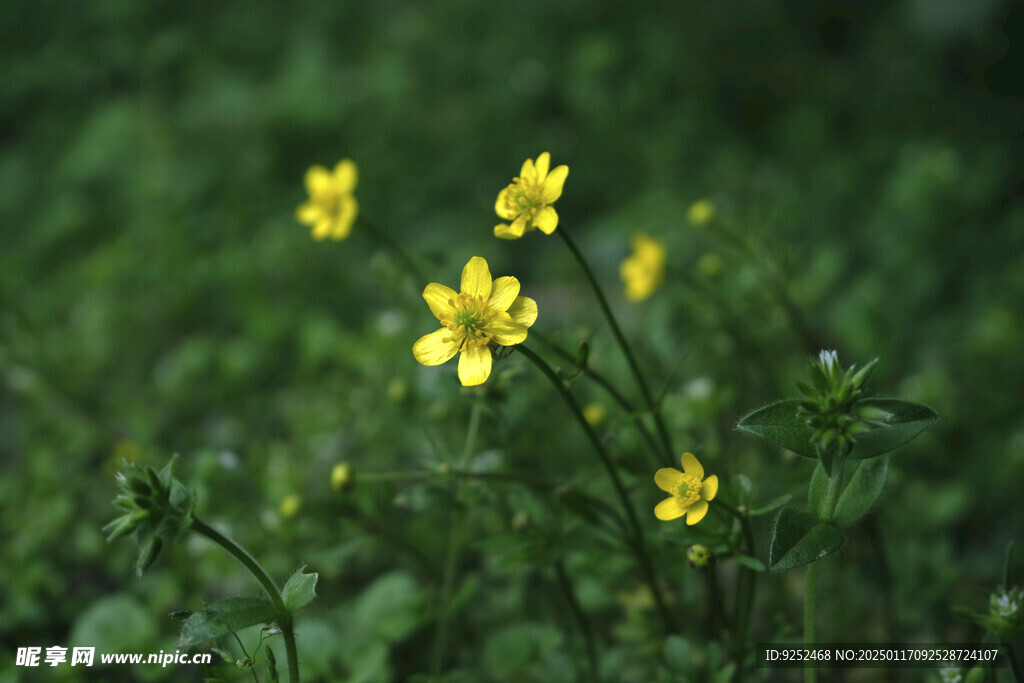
pixel 260 574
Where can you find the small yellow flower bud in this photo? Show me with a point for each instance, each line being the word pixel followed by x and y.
pixel 290 505
pixel 341 476
pixel 594 414
pixel 701 212
pixel 698 555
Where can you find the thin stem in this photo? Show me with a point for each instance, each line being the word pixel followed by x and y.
pixel 623 344
pixel 1018 677
pixel 260 574
pixel 743 607
pixel 454 545
pixel 386 240
pixel 603 382
pixel 809 589
pixel 637 542
pixel 581 619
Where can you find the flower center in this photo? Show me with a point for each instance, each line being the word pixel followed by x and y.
pixel 468 321
pixel 525 197
pixel 688 489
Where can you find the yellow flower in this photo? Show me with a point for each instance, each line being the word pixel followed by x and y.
pixel 690 495
pixel 643 271
pixel 701 212
pixel 331 208
pixel 526 203
pixel 487 313
pixel 290 505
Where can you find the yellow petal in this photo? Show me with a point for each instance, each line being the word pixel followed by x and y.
pixel 502 207
pixel 506 331
pixel 504 291
pixel 506 232
pixel 346 174
pixel 692 466
pixel 474 366
pixel 553 184
pixel 522 225
pixel 523 310
pixel 346 216
pixel 308 213
pixel 667 478
pixel 696 512
pixel 709 488
pixel 318 181
pixel 322 229
pixel 438 297
pixel 543 164
pixel 432 349
pixel 528 171
pixel 476 278
pixel 669 509
pixel 546 219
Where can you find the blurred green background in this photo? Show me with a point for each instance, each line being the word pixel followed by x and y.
pixel 158 297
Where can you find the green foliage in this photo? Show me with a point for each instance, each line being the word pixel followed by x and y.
pixel 799 539
pixel 299 590
pixel 225 616
pixel 862 491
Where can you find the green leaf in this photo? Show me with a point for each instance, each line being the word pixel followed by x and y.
pixel 799 539
pixel 225 616
pixel 750 562
pixel 771 505
pixel 863 490
pixel 818 491
pixel 678 653
pixel 779 424
pixel 908 420
pixel 299 590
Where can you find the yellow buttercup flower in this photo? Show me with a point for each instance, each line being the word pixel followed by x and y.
pixel 701 212
pixel 487 313
pixel 690 491
pixel 526 203
pixel 643 271
pixel 331 208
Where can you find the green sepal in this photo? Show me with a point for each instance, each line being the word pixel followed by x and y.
pixel 770 506
pixel 226 616
pixel 781 424
pixel 799 539
pixel 299 590
pixel 862 492
pixel 906 422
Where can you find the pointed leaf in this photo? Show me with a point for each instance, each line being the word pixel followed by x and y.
pixel 862 492
pixel 780 424
pixel 225 616
pixel 908 420
pixel 799 539
pixel 299 590
pixel 750 563
pixel 773 504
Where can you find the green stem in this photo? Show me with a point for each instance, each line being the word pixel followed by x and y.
pixel 809 590
pixel 637 542
pixel 581 619
pixel 743 607
pixel 1014 664
pixel 260 574
pixel 623 344
pixel 385 239
pixel 603 382
pixel 454 546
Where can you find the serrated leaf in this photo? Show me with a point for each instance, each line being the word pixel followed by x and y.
pixel 907 421
pixel 299 590
pixel 818 491
pixel 863 490
pixel 779 424
pixel 225 616
pixel 799 539
pixel 750 562
pixel 773 504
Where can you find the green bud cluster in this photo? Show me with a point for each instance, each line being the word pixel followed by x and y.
pixel 829 403
pixel 1005 616
pixel 156 508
